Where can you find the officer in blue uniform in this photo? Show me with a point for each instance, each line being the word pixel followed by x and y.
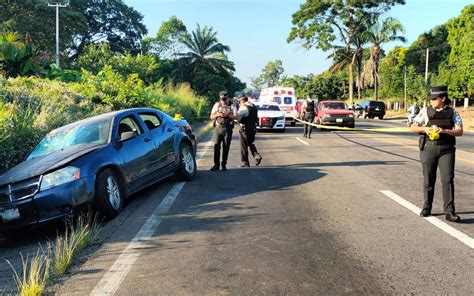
pixel 438 125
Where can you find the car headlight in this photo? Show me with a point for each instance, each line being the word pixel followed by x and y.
pixel 60 177
pixel 327 115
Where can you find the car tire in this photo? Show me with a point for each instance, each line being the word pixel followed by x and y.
pixel 187 163
pixel 109 194
pixel 381 117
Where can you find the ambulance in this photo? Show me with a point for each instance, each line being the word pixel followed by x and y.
pixel 284 97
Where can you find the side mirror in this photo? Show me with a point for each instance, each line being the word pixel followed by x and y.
pixel 126 136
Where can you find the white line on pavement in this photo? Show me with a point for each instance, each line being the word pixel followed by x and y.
pixel 433 220
pixel 111 281
pixel 302 141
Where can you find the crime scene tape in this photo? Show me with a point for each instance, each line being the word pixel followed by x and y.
pixel 376 130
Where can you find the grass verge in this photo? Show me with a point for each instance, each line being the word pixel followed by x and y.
pixel 36 271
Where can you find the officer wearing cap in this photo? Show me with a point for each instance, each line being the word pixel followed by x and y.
pixel 223 114
pixel 248 118
pixel 438 124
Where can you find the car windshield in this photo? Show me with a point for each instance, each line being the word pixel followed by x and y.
pixel 268 107
pixel 335 105
pixel 95 133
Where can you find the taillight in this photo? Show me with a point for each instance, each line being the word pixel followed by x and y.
pixel 265 119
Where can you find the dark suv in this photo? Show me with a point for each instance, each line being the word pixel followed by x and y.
pixel 373 109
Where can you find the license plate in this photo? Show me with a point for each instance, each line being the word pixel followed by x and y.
pixel 9 215
pixel 339 120
pixel 267 124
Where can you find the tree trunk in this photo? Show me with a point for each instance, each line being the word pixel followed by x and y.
pixel 351 78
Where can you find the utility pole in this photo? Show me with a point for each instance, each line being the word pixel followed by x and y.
pixel 405 86
pixel 426 66
pixel 57 5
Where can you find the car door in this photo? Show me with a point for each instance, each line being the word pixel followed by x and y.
pixel 163 134
pixel 137 152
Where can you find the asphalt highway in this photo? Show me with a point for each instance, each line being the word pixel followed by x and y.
pixel 335 214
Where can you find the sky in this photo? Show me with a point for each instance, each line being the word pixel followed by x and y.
pixel 256 30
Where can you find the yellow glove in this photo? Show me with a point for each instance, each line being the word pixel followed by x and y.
pixel 433 135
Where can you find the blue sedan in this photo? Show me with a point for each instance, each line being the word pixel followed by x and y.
pixel 97 162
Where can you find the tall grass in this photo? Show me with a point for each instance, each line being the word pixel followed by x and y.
pixel 82 232
pixel 35 274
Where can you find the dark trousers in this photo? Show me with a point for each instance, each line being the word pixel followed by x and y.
pixel 222 137
pixel 309 117
pixel 432 157
pixel 246 141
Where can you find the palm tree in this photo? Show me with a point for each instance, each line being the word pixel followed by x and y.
pixel 380 32
pixel 204 51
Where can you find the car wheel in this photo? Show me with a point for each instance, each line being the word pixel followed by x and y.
pixel 187 163
pixel 109 194
pixel 380 117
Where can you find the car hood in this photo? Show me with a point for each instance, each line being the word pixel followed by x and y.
pixel 336 111
pixel 270 113
pixel 45 163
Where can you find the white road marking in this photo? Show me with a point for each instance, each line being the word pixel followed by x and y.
pixel 111 281
pixel 464 238
pixel 302 141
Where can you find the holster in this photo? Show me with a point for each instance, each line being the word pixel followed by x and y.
pixel 422 142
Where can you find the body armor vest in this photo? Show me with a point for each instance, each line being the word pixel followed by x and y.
pixel 443 119
pixel 225 121
pixel 310 107
pixel 251 120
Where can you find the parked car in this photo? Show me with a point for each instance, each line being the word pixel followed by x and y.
pixel 373 109
pixel 334 113
pixel 270 117
pixel 97 162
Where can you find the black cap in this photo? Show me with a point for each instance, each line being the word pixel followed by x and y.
pixel 223 94
pixel 438 91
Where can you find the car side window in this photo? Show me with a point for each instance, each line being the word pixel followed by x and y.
pixel 129 124
pixel 151 120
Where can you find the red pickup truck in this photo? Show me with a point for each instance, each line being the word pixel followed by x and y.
pixel 334 113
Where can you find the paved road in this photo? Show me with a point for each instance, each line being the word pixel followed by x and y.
pixel 310 220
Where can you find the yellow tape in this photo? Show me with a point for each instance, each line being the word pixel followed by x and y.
pixel 377 130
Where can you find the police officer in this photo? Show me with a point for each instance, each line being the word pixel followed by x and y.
pixel 308 115
pixel 248 117
pixel 438 124
pixel 223 113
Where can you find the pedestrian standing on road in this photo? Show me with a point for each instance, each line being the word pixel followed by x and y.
pixel 438 124
pixel 248 118
pixel 223 114
pixel 308 115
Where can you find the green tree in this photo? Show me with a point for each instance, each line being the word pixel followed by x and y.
pixel 458 73
pixel 82 23
pixel 380 32
pixel 204 51
pixel 167 43
pixel 272 73
pixel 327 24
